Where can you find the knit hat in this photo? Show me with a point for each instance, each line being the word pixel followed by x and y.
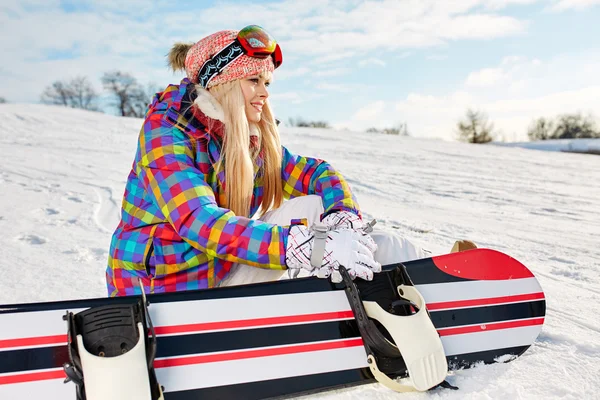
pixel 191 57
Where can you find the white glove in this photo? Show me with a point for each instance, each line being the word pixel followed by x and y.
pixel 354 250
pixel 343 219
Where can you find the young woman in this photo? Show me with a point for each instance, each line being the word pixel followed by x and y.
pixel 213 198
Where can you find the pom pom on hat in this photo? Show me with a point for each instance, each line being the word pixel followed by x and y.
pixel 177 56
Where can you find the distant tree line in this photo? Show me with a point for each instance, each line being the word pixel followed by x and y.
pixel 566 126
pixel 301 122
pixel 400 129
pixel 2 100
pixel 127 95
pixel 475 128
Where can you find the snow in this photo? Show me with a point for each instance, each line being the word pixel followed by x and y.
pixel 590 146
pixel 63 172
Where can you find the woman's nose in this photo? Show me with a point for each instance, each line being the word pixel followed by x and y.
pixel 263 91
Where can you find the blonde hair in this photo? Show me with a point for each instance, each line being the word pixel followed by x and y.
pixel 236 157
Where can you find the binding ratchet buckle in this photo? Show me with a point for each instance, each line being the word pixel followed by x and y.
pixel 413 345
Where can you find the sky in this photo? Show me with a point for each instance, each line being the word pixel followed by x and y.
pixel 354 64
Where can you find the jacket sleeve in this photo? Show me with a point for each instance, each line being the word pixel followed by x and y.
pixel 305 175
pixel 167 169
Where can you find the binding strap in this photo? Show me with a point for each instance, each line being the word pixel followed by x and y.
pixel 318 251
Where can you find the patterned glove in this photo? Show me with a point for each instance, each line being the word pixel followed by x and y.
pixel 343 219
pixel 354 250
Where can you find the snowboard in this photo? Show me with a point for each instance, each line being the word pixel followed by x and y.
pixel 284 338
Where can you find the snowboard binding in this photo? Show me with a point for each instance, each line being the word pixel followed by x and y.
pixel 111 353
pixel 399 337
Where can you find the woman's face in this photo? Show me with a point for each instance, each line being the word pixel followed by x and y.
pixel 255 94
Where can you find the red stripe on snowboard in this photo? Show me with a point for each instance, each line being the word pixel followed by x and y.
pixel 484 302
pixel 257 322
pixel 33 341
pixel 241 355
pixel 490 327
pixel 481 264
pixel 32 377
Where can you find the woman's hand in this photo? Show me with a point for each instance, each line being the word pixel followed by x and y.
pixel 352 249
pixel 344 219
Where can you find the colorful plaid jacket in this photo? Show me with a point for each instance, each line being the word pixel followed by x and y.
pixel 174 234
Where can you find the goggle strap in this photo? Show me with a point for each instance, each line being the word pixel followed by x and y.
pixel 213 66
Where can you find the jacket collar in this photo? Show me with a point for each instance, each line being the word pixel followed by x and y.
pixel 195 110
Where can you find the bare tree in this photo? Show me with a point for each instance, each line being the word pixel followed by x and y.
pixel 76 93
pixel 58 93
pixel 83 94
pixel 476 128
pixel 130 98
pixel 540 129
pixel 575 126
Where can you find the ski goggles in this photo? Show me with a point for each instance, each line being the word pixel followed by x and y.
pixel 252 41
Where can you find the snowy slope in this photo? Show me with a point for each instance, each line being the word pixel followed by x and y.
pixel 591 146
pixel 62 175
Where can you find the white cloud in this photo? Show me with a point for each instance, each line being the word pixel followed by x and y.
pixel 336 87
pixel 334 56
pixel 482 26
pixel 513 72
pixel 284 73
pixel 369 112
pixel 404 54
pixel 499 4
pixel 563 5
pixel 437 57
pixel 430 109
pixel 329 72
pixel 294 97
pixel 485 77
pixel 370 62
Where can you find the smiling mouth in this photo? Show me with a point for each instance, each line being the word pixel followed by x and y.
pixel 257 107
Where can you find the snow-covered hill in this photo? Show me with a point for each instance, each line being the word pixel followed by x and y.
pixel 63 171
pixel 585 146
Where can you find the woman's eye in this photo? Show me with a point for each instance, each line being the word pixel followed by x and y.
pixel 267 84
pixel 253 80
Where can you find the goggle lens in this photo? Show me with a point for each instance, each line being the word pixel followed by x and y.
pixel 256 41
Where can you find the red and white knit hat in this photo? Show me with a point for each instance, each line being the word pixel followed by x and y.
pixel 241 68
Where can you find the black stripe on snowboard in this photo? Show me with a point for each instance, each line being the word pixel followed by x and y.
pixel 33 359
pixel 488 314
pixel 277 388
pixel 425 271
pixel 283 287
pixel 181 345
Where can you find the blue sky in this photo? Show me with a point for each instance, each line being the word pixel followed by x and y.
pixel 355 64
